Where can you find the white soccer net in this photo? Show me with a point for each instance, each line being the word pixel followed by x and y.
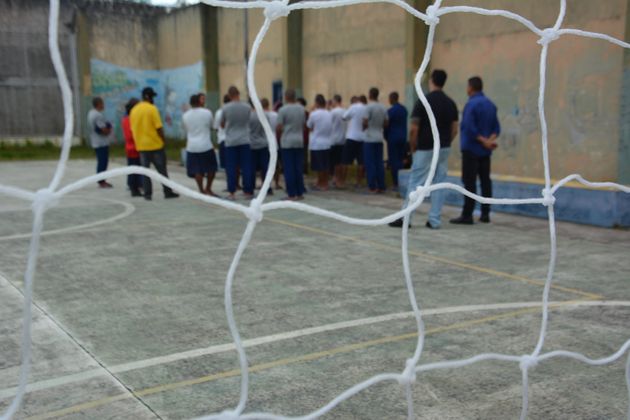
pixel 48 197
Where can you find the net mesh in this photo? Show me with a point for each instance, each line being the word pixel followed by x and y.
pixel 48 197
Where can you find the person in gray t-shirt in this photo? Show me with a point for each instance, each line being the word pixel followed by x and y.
pixel 238 154
pixel 259 145
pixel 290 131
pixel 100 131
pixel 374 122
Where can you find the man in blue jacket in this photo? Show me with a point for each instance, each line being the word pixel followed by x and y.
pixel 396 136
pixel 479 131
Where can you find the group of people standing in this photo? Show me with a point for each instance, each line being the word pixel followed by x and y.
pixel 336 137
pixel 144 141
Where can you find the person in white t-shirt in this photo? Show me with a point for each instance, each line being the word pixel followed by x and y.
pixel 337 139
pixel 320 124
pixel 221 132
pixel 272 116
pixel 355 136
pixel 200 158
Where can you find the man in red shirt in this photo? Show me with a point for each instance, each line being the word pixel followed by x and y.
pixel 134 181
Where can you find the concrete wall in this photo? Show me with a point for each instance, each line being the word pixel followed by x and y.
pixel 179 38
pixel 123 36
pixel 583 84
pixel 349 49
pixel 28 83
pixel 270 59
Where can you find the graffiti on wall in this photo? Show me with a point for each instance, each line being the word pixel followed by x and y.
pixel 116 85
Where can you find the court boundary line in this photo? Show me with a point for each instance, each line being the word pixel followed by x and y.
pixel 309 357
pixel 129 209
pixel 274 338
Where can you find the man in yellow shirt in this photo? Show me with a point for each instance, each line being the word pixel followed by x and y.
pixel 146 126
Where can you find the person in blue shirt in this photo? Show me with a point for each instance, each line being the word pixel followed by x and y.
pixel 479 131
pixel 396 136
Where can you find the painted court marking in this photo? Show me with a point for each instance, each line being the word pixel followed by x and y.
pixel 444 260
pixel 274 338
pixel 522 308
pixel 128 210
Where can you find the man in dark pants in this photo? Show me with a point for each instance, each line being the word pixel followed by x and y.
pixel 479 131
pixel 100 135
pixel 396 136
pixel 146 126
pixel 238 154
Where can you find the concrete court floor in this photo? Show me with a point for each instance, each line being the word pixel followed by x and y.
pixel 129 318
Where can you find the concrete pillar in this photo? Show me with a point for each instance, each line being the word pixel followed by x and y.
pixel 83 63
pixel 623 171
pixel 210 42
pixel 292 72
pixel 416 39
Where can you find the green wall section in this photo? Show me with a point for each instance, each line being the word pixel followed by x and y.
pixel 209 23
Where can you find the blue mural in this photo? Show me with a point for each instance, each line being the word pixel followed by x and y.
pixel 116 85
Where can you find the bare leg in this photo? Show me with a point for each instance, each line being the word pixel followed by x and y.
pixel 339 176
pixel 209 183
pixel 199 180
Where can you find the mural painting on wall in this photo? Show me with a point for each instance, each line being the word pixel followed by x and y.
pixel 116 85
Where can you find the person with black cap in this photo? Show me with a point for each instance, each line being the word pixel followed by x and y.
pixel 146 126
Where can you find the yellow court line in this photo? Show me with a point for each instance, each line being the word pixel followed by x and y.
pixel 285 362
pixel 444 260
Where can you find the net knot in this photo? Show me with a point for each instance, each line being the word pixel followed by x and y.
pixel 44 200
pixel 548 198
pixel 254 212
pixel 408 375
pixel 528 362
pixel 228 415
pixel 277 9
pixel 548 36
pixel 432 18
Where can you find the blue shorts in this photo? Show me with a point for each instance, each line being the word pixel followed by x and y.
pixel 352 150
pixel 200 163
pixel 336 155
pixel 320 160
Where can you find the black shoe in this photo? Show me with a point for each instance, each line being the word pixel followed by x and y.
pixel 136 193
pixel 461 220
pixel 398 223
pixel 485 218
pixel 147 197
pixel 429 225
pixel 170 194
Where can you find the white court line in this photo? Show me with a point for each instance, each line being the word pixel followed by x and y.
pixel 274 338
pixel 129 209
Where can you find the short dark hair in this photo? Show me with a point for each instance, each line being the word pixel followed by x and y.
pixel 233 91
pixel 374 93
pixel 130 104
pixel 264 102
pixel 337 98
pixel 394 96
pixel 320 101
pixel 96 101
pixel 438 77
pixel 302 101
pixel 354 99
pixel 289 95
pixel 363 99
pixel 194 100
pixel 226 99
pixel 475 83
